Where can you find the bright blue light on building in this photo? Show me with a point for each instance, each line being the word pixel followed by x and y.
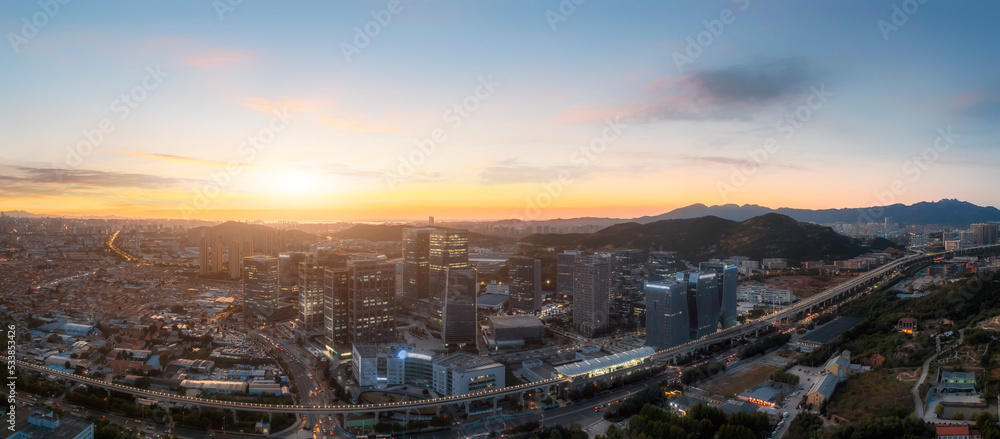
pixel 402 354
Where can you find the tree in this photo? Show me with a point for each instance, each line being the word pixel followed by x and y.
pixel 555 434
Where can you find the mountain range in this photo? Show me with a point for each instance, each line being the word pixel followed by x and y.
pixel 947 212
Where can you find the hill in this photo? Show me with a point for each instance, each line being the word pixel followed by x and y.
pixel 20 214
pixel 232 227
pixel 948 212
pixel 698 239
pixel 394 232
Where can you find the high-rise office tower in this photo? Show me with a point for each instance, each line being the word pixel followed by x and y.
pixel 565 263
pixel 667 323
pixel 591 291
pixel 238 250
pixel 458 314
pixel 217 257
pixel 203 249
pixel 288 275
pixel 449 249
pixel 335 299
pixel 371 301
pixel 525 284
pixel 260 286
pixel 726 289
pixel 627 281
pixel 416 264
pixel 661 265
pixel 984 233
pixel 704 311
pixel 311 277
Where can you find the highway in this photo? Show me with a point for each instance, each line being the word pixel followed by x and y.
pixel 314 409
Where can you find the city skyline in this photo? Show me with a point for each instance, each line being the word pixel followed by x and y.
pixel 399 110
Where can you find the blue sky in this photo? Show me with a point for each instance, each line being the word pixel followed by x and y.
pixel 350 148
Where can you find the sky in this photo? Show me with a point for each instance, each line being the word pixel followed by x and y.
pixel 379 110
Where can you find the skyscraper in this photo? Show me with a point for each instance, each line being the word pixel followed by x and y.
pixel 335 299
pixel 565 263
pixel 448 249
pixel 704 311
pixel 591 291
pixel 661 265
pixel 416 251
pixel 726 289
pixel 627 282
pixel 525 284
pixel 371 301
pixel 311 277
pixel 260 286
pixel 667 322
pixel 984 233
pixel 458 315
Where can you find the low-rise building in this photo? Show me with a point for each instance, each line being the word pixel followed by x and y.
pixel 958 382
pixel 380 365
pixel 515 330
pixel 956 432
pixel 460 372
pixel 822 390
pixel 31 422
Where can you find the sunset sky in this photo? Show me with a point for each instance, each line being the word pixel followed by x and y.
pixel 316 111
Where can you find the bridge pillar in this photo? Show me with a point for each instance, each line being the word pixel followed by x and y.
pixel 234 416
pixel 495 398
pixel 268 418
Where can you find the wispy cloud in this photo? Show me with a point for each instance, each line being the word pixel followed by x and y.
pixel 269 106
pixel 175 159
pixel 23 181
pixel 513 170
pixel 217 57
pixel 354 124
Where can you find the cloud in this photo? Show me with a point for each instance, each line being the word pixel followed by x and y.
pixel 220 58
pixel 721 94
pixel 270 106
pixel 354 124
pixel 735 161
pixel 983 106
pixel 728 92
pixel 512 171
pixel 345 170
pixel 23 181
pixel 175 159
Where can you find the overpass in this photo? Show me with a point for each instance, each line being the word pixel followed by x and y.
pixel 852 286
pixel 156 395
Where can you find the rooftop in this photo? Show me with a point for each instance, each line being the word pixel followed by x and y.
pixel 587 366
pixel 491 300
pixel 517 321
pixel 825 385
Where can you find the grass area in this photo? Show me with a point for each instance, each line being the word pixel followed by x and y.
pixel 871 395
pixel 734 383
